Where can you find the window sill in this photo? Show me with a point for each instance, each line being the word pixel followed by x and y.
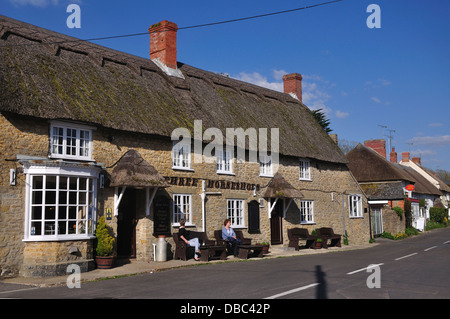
pixel 182 169
pixel 58 238
pixel 225 173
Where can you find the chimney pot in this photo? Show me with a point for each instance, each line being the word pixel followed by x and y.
pixel 405 156
pixel 378 146
pixel 163 43
pixel 417 160
pixel 393 156
pixel 292 83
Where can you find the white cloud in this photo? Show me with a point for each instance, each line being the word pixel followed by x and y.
pixel 35 3
pixel 431 140
pixel 314 89
pixel 341 115
pixel 435 124
pixel 260 80
pixel 375 99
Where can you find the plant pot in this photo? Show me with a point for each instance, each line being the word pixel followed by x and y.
pixel 104 262
pixel 265 249
pixel 317 245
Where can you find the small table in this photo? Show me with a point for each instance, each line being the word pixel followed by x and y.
pixel 213 252
pixel 245 249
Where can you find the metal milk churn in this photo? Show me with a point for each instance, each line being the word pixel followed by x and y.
pixel 161 249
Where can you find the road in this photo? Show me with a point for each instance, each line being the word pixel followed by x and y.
pixel 413 268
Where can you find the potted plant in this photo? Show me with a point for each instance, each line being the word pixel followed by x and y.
pixel 105 245
pixel 266 246
pixel 318 243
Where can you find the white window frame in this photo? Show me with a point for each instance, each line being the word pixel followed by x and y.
pixel 69 141
pixel 265 166
pixel 236 212
pixel 307 212
pixel 224 162
pixel 181 156
pixel 182 208
pixel 71 193
pixel 304 170
pixel 355 205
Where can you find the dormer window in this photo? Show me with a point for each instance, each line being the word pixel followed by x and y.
pixel 70 141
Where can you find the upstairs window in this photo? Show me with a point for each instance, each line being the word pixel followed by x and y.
pixel 265 166
pixel 224 160
pixel 181 156
pixel 305 170
pixel 69 141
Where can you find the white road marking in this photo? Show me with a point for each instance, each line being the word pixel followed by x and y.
pixel 24 289
pixel 429 248
pixel 363 269
pixel 292 291
pixel 405 256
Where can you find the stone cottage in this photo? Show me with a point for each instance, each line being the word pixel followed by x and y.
pixel 385 183
pixel 88 131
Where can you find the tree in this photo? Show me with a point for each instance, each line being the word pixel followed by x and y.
pixel 321 118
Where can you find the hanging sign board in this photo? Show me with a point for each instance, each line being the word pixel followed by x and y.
pixel 410 187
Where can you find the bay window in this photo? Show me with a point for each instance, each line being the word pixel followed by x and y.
pixel 60 203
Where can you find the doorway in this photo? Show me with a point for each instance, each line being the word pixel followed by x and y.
pixel 377 221
pixel 126 225
pixel 276 224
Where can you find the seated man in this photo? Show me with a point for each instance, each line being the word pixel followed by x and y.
pixel 229 235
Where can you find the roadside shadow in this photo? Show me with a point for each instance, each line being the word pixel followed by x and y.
pixel 321 288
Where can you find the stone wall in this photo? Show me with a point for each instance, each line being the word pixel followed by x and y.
pixel 26 136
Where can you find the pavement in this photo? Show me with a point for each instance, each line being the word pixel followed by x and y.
pixel 131 267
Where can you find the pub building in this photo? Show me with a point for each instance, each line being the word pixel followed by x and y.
pixel 86 131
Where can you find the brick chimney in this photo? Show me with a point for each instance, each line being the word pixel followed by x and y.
pixel 393 156
pixel 378 146
pixel 163 43
pixel 292 83
pixel 405 156
pixel 417 160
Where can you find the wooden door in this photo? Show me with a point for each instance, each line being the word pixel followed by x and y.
pixel 276 224
pixel 126 226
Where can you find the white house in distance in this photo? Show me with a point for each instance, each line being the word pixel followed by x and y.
pixel 415 164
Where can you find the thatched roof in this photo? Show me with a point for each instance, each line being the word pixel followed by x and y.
pixel 381 179
pixel 48 75
pixel 422 185
pixel 133 170
pixel 369 166
pixel 279 187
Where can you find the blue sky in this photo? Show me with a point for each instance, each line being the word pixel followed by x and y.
pixel 396 76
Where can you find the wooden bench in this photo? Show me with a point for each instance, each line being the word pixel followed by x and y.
pixel 181 246
pixel 221 241
pixel 244 251
pixel 297 234
pixel 327 233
